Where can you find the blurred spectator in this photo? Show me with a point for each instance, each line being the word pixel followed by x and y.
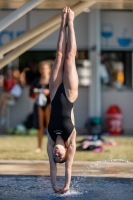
pixel 16 73
pixel 23 76
pixel 117 74
pixel 29 74
pixel 1 81
pixel 12 91
pixel 103 72
pixel 40 91
pixel 9 80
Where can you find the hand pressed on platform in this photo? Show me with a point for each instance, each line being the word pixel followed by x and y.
pixel 57 189
pixel 64 190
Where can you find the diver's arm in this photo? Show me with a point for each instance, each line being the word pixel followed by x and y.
pixel 68 167
pixel 53 168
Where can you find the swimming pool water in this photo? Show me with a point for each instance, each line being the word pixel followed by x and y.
pixel 39 188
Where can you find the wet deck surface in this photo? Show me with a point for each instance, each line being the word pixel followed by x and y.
pixel 29 180
pixel 108 169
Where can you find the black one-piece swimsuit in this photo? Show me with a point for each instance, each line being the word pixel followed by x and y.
pixel 60 118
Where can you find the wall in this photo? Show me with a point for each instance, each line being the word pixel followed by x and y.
pixel 23 107
pixel 116 30
pixel 81 107
pixel 35 18
pixel 112 37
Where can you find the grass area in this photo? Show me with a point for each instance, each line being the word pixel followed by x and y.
pixel 23 148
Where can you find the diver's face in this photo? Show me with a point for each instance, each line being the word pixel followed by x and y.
pixel 59 153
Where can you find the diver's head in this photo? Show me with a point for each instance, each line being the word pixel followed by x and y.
pixel 59 153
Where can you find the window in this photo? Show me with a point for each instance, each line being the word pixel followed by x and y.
pixel 116 69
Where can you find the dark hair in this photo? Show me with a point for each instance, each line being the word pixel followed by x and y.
pixel 63 161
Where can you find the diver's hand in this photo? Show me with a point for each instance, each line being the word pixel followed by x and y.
pixel 57 189
pixel 64 190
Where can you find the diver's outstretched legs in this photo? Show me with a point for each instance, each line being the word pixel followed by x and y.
pixel 57 69
pixel 70 76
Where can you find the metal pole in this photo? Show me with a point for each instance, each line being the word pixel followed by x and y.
pixel 132 69
pixel 77 8
pixel 18 13
pixel 24 47
pixel 27 45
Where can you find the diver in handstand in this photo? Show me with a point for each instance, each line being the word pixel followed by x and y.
pixel 63 92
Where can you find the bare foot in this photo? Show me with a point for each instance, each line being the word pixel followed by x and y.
pixel 70 16
pixel 64 16
pixel 38 150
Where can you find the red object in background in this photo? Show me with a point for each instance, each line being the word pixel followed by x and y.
pixel 9 83
pixel 114 120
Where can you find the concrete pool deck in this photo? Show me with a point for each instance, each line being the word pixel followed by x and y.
pixel 94 169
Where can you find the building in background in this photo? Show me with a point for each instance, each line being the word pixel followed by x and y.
pixel 106 34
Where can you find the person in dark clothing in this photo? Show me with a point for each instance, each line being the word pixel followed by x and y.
pixel 40 91
pixel 63 92
pixel 30 73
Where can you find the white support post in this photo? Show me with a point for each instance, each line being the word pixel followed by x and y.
pixel 132 69
pixel 15 15
pixel 94 92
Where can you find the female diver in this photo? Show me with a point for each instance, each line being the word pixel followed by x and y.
pixel 63 87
